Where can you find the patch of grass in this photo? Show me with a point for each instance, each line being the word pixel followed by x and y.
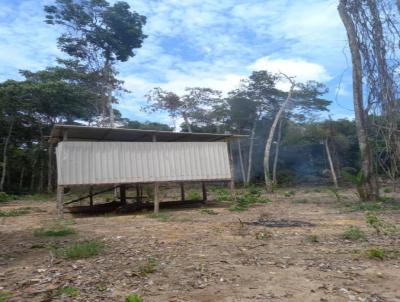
pixel 289 193
pixel 83 249
pixel 4 197
pixel 244 201
pixel 150 266
pixel 353 233
pixel 39 196
pixel 133 298
pixel 54 231
pixel 194 195
pixel 335 192
pixel 4 296
pixel 318 190
pixel 69 222
pixel 16 212
pixel 376 253
pixel 379 224
pixel 69 291
pixel 303 200
pixel 312 238
pixel 160 216
pixel 222 195
pixel 208 211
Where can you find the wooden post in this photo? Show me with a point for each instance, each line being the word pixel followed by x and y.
pixel 138 195
pixel 60 202
pixel 91 196
pixel 122 192
pixel 204 189
pixel 156 198
pixel 182 191
pixel 231 182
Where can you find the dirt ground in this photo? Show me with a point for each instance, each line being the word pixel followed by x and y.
pixel 204 255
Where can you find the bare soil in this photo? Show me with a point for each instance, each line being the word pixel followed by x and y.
pixel 204 257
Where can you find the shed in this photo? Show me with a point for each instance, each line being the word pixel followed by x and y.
pixel 93 156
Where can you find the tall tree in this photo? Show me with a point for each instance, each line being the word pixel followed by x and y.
pixel 99 35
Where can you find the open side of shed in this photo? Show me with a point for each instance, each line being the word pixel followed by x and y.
pixel 91 156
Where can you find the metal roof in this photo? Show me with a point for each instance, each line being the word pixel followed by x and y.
pixel 86 133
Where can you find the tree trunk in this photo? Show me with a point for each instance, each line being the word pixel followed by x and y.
pixel 268 181
pixel 186 119
pixel 332 168
pixel 5 149
pixel 41 159
pixel 241 161
pixel 50 169
pixel 250 156
pixel 367 167
pixel 21 180
pixel 277 147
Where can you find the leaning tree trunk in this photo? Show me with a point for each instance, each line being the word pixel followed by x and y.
pixel 367 167
pixel 267 174
pixel 276 156
pixel 250 156
pixel 331 167
pixel 5 151
pixel 241 161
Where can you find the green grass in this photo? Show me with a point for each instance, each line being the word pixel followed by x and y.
pixel 244 201
pixel 380 225
pixel 150 266
pixel 160 216
pixel 4 296
pixel 194 195
pixel 39 197
pixel 69 291
pixel 54 231
pixel 289 193
pixel 16 212
pixel 4 197
pixel 312 238
pixel 83 249
pixel 208 211
pixel 222 195
pixel 133 298
pixel 353 233
pixel 387 190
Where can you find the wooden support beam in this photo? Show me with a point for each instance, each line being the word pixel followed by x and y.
pixel 91 196
pixel 232 181
pixel 60 202
pixel 156 198
pixel 204 189
pixel 138 194
pixel 122 193
pixel 182 191
pixel 86 196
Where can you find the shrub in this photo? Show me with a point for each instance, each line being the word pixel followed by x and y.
pixel 69 291
pixel 353 233
pixel 379 224
pixel 148 267
pixel 387 190
pixel 243 202
pixel 83 249
pixel 54 231
pixel 376 253
pixel 222 195
pixel 312 238
pixel 133 298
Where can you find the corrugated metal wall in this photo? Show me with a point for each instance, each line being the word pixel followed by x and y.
pixel 82 163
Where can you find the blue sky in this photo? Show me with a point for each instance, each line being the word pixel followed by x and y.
pixel 202 43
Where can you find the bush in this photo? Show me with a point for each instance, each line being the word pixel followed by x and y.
pixel 194 195
pixel 133 298
pixel 387 190
pixel 83 249
pixel 4 197
pixel 379 224
pixel 376 253
pixel 243 201
pixel 353 233
pixel 222 195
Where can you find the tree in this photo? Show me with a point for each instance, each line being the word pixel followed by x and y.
pixel 99 35
pixel 188 106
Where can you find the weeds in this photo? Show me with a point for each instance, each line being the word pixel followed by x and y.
pixel 250 197
pixel 353 233
pixel 208 211
pixel 150 266
pixel 133 298
pixel 83 249
pixel 69 291
pixel 335 192
pixel 101 287
pixel 289 193
pixel 16 212
pixel 4 197
pixel 379 224
pixel 222 195
pixel 54 231
pixel 194 195
pixel 312 238
pixel 263 236
pixel 4 296
pixel 381 253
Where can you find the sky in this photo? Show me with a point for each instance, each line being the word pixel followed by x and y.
pixel 201 43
